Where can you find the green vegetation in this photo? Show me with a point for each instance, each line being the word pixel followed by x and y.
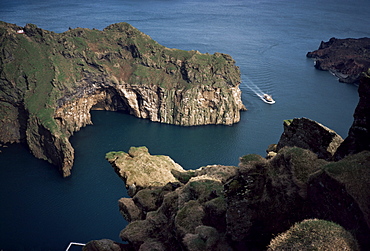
pixel 113 155
pixel 250 157
pixel 354 172
pixel 303 162
pixel 42 71
pixel 314 235
pixel 287 122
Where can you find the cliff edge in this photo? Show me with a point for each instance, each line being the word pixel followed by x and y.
pixel 344 58
pixel 49 82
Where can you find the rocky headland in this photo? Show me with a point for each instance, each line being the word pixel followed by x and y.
pixel 345 58
pixel 49 82
pixel 311 192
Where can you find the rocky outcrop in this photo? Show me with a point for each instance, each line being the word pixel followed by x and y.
pixel 139 169
pixel 49 82
pixel 358 138
pixel 188 212
pixel 311 135
pixel 345 58
pixel 242 208
pixel 104 244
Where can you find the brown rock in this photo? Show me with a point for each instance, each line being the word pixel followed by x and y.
pixel 141 170
pixel 129 210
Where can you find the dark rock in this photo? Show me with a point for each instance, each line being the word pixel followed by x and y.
pixel 311 135
pixel 268 196
pixel 105 245
pixel 341 193
pixel 358 138
pixel 345 58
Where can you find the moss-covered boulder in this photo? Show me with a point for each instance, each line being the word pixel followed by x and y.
pixel 314 234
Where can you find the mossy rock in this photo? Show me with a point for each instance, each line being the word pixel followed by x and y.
pixel 318 235
pixel 189 217
pixel 251 158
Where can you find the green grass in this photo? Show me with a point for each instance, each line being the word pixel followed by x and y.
pixel 113 155
pixel 314 235
pixel 250 157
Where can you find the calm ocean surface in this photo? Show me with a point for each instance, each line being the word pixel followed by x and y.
pixel 39 210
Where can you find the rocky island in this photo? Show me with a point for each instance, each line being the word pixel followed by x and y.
pixel 310 191
pixel 49 82
pixel 344 58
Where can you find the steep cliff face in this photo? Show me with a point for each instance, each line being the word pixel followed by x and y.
pixel 308 134
pixel 345 58
pixel 358 138
pixel 49 83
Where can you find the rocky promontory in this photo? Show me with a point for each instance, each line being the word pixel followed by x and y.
pixel 302 195
pixel 242 208
pixel 49 82
pixel 345 58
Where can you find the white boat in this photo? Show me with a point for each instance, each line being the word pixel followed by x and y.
pixel 268 99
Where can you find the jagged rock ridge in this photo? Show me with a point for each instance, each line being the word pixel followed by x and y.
pixel 49 82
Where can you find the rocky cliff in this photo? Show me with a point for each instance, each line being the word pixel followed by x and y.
pixel 264 202
pixel 359 134
pixel 345 58
pixel 241 208
pixel 49 82
pixel 308 134
pixel 312 192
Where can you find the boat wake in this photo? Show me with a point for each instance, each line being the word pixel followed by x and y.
pixel 257 91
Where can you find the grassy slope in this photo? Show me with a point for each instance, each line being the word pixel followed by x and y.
pixel 44 66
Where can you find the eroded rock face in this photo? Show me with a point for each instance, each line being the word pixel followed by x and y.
pixel 345 58
pixel 358 138
pixel 49 83
pixel 311 135
pixel 220 207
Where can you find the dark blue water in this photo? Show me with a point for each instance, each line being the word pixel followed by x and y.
pixel 269 39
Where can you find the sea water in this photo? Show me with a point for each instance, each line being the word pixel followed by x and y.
pixel 40 210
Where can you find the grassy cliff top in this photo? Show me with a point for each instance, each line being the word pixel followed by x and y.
pixel 39 67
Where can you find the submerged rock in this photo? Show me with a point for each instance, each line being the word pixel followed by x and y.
pixel 49 82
